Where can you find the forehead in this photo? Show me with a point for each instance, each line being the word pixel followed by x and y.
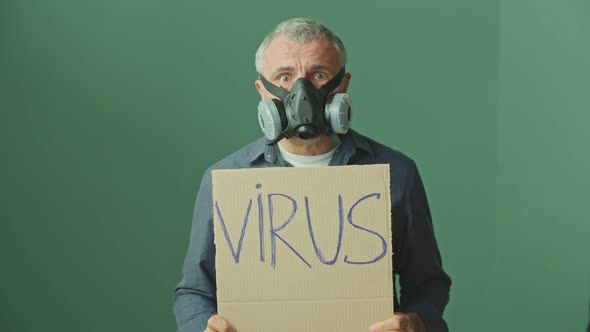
pixel 283 52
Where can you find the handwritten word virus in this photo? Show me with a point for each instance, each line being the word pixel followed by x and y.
pixel 345 217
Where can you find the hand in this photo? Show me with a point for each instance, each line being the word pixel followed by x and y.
pixel 217 324
pixel 400 323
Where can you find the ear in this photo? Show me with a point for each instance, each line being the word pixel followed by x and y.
pixel 264 94
pixel 345 82
pixel 260 88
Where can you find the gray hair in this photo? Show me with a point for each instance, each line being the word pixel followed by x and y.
pixel 301 30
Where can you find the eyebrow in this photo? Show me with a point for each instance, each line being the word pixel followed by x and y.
pixel 319 67
pixel 282 69
pixel 291 69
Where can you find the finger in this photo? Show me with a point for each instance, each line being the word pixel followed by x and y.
pixel 218 324
pixel 398 322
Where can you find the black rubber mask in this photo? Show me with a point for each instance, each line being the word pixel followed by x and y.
pixel 302 110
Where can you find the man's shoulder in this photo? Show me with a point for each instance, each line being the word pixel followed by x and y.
pixel 243 157
pixel 384 154
pixel 403 171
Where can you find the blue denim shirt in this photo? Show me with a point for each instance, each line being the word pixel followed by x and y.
pixel 424 285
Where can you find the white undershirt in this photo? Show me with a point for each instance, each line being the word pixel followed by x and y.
pixel 306 161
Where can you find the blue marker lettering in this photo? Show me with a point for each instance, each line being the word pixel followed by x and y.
pixel 235 254
pixel 318 252
pixel 274 231
pixel 261 223
pixel 383 242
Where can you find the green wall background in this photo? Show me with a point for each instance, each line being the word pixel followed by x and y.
pixel 543 226
pixel 112 110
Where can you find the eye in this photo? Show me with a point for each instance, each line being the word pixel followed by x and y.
pixel 320 76
pixel 284 78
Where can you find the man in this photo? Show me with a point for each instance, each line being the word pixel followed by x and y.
pixel 295 61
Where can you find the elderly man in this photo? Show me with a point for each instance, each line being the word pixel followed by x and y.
pixel 304 113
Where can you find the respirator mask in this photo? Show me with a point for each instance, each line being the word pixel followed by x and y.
pixel 304 111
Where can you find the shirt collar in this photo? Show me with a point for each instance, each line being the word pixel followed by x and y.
pixel 351 142
pixel 261 148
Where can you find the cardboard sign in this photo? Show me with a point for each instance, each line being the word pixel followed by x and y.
pixel 303 249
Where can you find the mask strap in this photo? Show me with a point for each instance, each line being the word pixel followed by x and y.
pixel 275 90
pixel 324 90
pixel 333 83
pixel 276 140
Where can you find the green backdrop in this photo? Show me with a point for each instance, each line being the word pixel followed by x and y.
pixel 111 111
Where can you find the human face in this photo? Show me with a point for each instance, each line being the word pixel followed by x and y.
pixel 285 61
